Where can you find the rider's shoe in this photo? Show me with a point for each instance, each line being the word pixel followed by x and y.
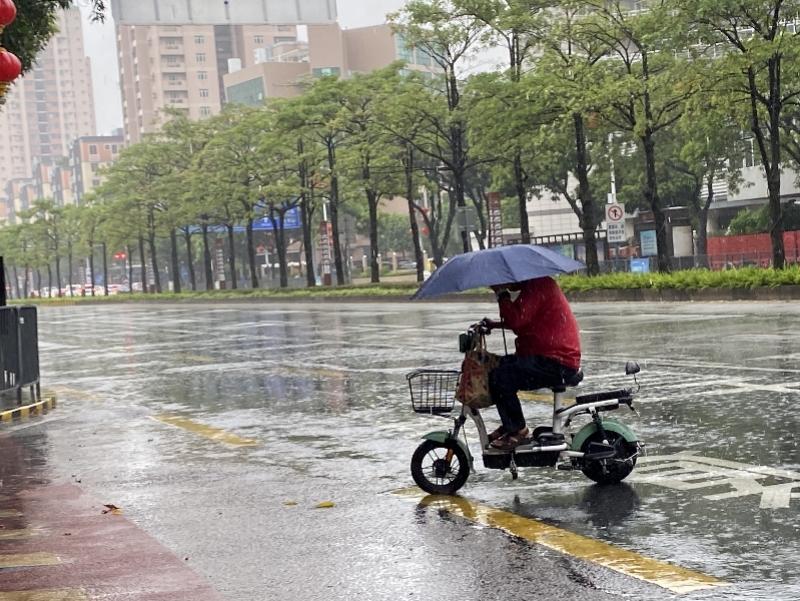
pixel 496 434
pixel 509 442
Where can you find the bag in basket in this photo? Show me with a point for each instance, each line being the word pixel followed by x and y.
pixel 473 387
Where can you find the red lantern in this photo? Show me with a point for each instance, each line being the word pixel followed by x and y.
pixel 10 68
pixel 8 12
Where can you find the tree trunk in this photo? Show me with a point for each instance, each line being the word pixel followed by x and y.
pixel 306 201
pixel 58 274
pixel 49 281
pixel 334 216
pixel 651 194
pixel 27 281
pixel 207 259
pixel 16 282
pixel 105 268
pixel 143 259
pixel 308 239
pixel 69 267
pixel 129 255
pixel 154 262
pixel 91 264
pixel 280 246
pixel 39 280
pixel 375 266
pixel 187 235
pixel 522 199
pixel 251 254
pixel 419 258
pixel 176 268
pixel 232 255
pixel 589 211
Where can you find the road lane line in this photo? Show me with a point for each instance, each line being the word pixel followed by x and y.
pixel 209 432
pixel 44 595
pixel 674 578
pixel 28 560
pixel 10 513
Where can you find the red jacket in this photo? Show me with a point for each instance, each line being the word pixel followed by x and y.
pixel 543 322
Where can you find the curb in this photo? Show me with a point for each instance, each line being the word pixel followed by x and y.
pixel 38 408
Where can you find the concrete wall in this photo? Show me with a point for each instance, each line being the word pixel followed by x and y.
pixel 238 12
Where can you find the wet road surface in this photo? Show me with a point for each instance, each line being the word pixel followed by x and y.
pixel 264 445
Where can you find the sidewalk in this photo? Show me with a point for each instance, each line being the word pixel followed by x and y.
pixel 59 544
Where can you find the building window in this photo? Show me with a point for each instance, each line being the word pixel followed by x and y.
pixel 280 39
pixel 403 52
pixel 203 93
pixel 202 75
pixel 258 39
pixel 92 149
pixel 326 71
pixel 199 39
pixel 205 111
pixel 200 57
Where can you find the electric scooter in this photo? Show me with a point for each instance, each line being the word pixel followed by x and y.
pixel 605 450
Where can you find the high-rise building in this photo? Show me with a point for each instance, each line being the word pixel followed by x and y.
pixel 181 67
pixel 50 106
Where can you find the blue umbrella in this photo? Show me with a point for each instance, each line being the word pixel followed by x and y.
pixel 501 265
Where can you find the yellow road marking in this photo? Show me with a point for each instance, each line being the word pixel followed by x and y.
pixel 209 432
pixel 44 595
pixel 10 513
pixel 660 573
pixel 28 410
pixel 28 560
pixel 15 534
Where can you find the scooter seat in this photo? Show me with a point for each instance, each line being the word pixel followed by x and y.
pixel 569 383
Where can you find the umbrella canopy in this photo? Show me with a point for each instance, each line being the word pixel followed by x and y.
pixel 501 265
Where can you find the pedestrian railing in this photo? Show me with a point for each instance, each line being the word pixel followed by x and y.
pixel 19 351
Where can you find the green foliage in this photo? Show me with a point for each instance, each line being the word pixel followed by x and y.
pixel 757 221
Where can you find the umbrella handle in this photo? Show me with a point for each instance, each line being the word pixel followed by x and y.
pixel 505 344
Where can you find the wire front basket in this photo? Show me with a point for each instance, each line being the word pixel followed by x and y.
pixel 433 391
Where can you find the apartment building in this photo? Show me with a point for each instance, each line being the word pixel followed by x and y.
pixel 88 156
pixel 181 67
pixel 281 70
pixel 50 106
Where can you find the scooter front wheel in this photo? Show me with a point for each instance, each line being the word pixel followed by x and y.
pixel 439 468
pixel 615 469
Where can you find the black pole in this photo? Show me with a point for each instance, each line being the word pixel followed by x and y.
pixel 3 302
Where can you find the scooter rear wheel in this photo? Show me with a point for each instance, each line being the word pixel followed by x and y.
pixel 614 470
pixel 439 468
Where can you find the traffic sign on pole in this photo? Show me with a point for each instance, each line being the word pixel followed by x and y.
pixel 615 223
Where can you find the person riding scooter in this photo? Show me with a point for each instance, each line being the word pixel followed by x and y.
pixel 548 351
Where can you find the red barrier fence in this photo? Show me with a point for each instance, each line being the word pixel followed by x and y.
pixel 750 249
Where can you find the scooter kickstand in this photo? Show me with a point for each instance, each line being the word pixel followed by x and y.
pixel 512 467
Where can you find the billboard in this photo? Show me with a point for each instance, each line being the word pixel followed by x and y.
pixel 223 12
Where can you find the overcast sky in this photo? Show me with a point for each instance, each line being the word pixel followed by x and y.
pixel 100 41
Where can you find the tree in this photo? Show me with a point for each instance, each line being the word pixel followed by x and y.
pixel 35 25
pixel 643 88
pixel 515 24
pixel 436 28
pixel 370 157
pixel 758 52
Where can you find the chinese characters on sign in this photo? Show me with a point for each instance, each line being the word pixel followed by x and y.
pixel 495 220
pixel 325 236
pixel 615 223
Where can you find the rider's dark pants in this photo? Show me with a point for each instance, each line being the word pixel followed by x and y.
pixel 522 373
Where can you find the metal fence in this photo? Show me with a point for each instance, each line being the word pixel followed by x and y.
pixel 19 351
